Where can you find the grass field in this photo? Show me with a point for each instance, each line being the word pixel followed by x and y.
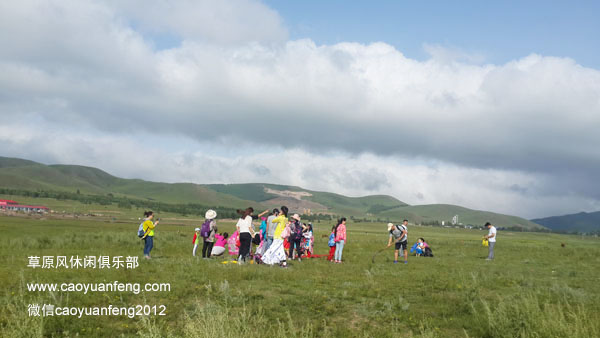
pixel 534 288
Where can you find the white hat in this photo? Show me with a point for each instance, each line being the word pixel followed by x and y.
pixel 390 226
pixel 210 214
pixel 197 229
pixel 296 217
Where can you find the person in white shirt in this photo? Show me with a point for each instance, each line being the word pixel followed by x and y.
pixel 246 231
pixel 491 237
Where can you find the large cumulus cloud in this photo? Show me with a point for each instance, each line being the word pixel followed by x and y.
pixel 231 77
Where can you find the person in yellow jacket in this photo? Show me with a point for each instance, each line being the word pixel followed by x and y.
pixel 276 252
pixel 148 237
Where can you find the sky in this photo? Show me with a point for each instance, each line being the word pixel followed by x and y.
pixel 488 106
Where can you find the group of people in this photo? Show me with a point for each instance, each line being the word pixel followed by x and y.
pixel 278 236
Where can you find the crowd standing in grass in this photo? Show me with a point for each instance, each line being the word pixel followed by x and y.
pixel 280 239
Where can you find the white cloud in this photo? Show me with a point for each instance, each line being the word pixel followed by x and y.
pixel 235 82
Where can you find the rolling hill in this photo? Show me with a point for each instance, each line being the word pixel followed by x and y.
pixel 29 175
pixel 580 222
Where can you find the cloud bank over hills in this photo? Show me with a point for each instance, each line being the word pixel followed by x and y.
pixel 217 93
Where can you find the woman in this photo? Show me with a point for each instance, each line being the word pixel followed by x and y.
pixel 220 242
pixel 209 241
pixel 246 231
pixel 340 240
pixel 148 227
pixel 276 253
pixel 296 237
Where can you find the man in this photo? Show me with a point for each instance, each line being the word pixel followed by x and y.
pixel 399 233
pixel 491 237
pixel 271 227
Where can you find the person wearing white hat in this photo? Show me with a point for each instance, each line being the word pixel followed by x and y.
pixel 208 230
pixel 195 241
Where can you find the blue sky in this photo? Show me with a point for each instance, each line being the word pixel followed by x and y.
pixel 499 31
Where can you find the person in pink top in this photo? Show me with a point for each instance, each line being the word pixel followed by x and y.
pixel 340 239
pixel 220 242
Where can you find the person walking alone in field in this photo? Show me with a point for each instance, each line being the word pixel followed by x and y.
pixel 340 240
pixel 148 227
pixel 399 234
pixel 208 231
pixel 491 237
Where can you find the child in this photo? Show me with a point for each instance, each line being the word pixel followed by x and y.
pixel 195 241
pixel 331 244
pixel 232 244
pixel 220 242
pixel 420 247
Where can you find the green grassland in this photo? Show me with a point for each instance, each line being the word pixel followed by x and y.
pixel 534 288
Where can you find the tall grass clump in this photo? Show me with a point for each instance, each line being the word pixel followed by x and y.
pixel 554 312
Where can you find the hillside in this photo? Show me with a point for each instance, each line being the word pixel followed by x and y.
pixel 581 222
pixel 433 212
pixel 35 176
pixel 29 175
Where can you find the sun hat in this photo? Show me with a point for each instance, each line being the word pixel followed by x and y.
pixel 390 226
pixel 197 229
pixel 210 214
pixel 296 217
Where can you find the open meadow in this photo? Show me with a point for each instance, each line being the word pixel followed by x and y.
pixel 534 287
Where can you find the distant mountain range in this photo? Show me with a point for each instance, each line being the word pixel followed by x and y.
pixel 28 175
pixel 581 222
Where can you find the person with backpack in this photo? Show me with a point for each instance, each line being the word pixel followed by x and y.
pixel 399 233
pixel 208 231
pixel 275 254
pixel 331 244
pixel 296 237
pixel 340 240
pixel 148 232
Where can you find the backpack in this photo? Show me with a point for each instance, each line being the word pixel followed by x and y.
pixel 140 231
pixel 286 232
pixel 205 229
pixel 297 231
pixel 401 228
